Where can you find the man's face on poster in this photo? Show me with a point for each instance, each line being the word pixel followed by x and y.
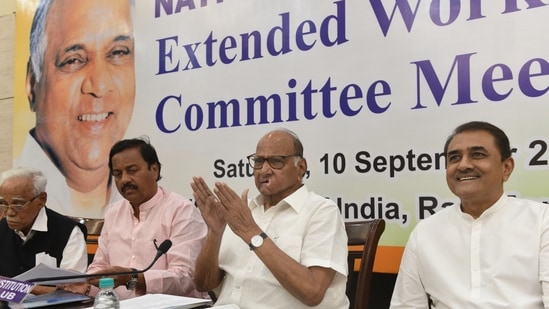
pixel 85 95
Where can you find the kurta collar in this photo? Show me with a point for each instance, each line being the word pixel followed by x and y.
pixel 148 205
pixel 488 212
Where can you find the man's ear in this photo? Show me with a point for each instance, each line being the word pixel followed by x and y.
pixel 43 197
pixel 156 168
pixel 508 166
pixel 30 83
pixel 302 167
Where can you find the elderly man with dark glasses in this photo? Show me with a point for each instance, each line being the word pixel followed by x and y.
pixel 31 233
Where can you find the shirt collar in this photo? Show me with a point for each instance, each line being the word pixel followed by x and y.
pixel 33 155
pixel 40 225
pixel 296 200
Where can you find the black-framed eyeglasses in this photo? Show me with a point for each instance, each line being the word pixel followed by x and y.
pixel 16 207
pixel 276 162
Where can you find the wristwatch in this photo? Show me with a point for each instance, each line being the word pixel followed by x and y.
pixel 132 283
pixel 257 241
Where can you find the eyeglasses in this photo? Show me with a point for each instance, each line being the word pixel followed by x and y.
pixel 16 207
pixel 276 162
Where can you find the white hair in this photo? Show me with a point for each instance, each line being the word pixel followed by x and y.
pixel 39 181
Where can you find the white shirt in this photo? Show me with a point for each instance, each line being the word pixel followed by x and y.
pixel 307 227
pixel 500 260
pixel 75 255
pixel 59 198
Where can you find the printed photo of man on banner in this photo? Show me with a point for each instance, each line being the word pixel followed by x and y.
pixel 80 85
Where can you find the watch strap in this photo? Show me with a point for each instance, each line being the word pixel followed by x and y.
pixel 263 235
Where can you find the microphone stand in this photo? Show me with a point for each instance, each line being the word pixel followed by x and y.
pixel 162 249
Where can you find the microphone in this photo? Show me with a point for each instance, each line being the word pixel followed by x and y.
pixel 160 250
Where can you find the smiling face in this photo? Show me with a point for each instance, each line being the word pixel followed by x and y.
pixel 276 184
pixel 85 96
pixel 475 171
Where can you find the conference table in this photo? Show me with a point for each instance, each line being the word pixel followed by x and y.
pixel 156 301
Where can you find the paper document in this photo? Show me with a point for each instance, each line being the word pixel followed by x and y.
pixel 44 271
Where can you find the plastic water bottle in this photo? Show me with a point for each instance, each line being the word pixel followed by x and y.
pixel 106 298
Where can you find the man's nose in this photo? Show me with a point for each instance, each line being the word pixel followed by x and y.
pixel 98 80
pixel 10 212
pixel 465 163
pixel 266 168
pixel 125 178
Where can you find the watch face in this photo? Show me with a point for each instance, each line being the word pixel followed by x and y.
pixel 131 285
pixel 257 241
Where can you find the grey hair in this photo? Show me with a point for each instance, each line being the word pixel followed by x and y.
pixel 38 39
pixel 37 44
pixel 39 181
pixel 298 146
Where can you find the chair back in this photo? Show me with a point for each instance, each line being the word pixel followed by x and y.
pixel 94 227
pixel 367 234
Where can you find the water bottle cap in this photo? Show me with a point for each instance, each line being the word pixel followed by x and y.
pixel 106 283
